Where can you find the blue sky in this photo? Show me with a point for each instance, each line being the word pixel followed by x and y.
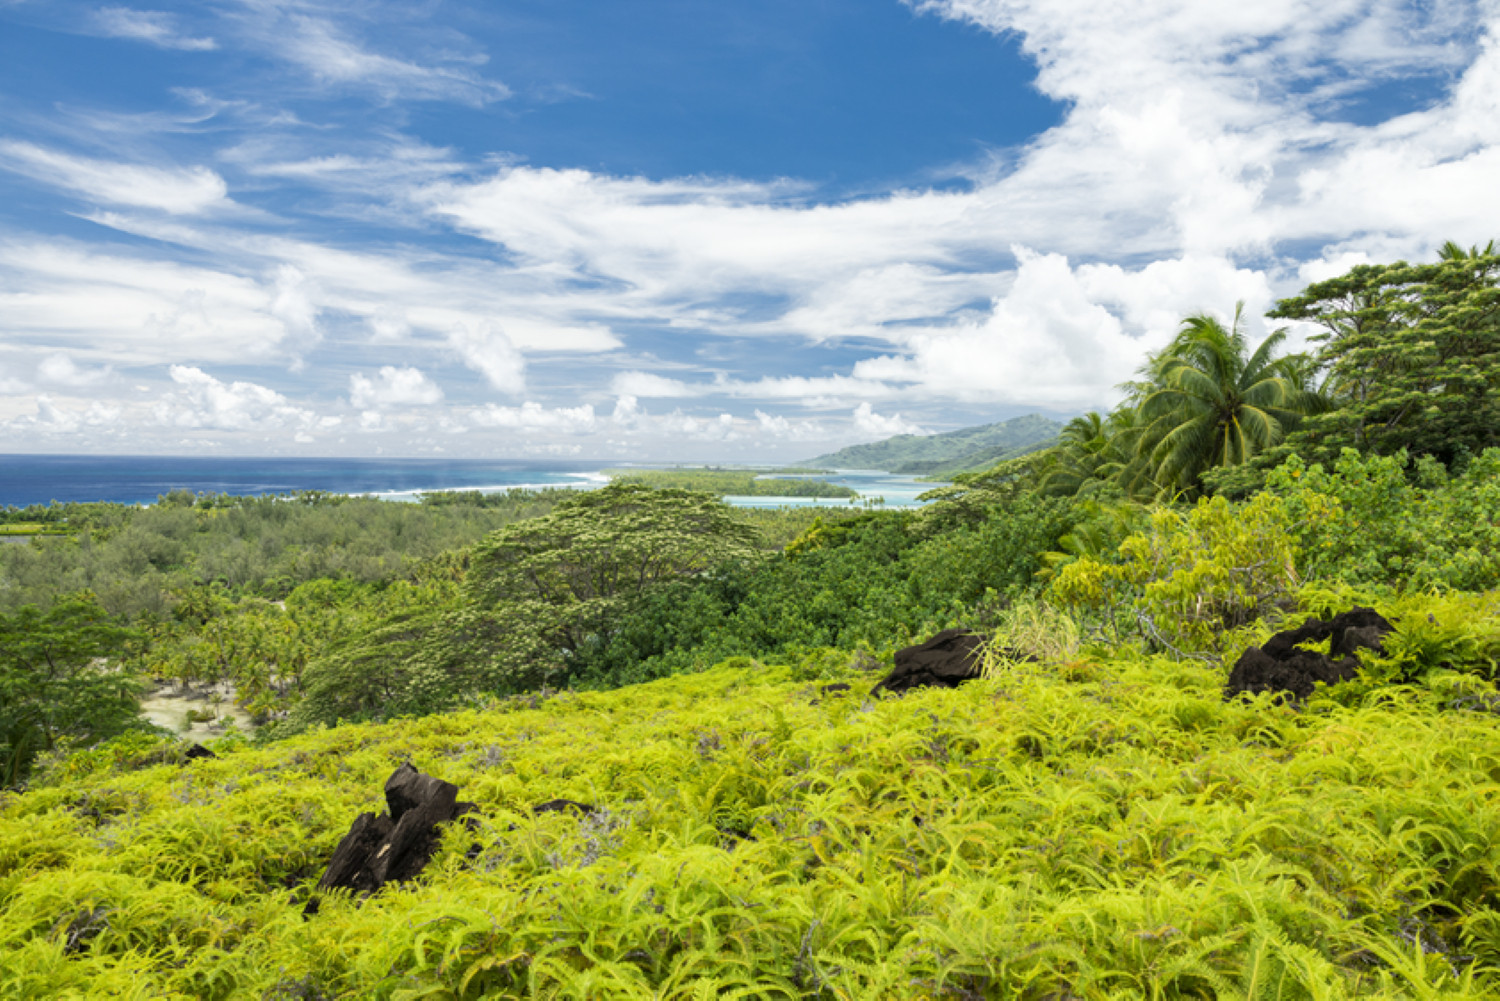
pixel 730 230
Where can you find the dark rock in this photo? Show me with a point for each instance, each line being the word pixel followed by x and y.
pixel 837 688
pixel 561 806
pixel 949 659
pixel 393 847
pixel 198 751
pixel 1279 665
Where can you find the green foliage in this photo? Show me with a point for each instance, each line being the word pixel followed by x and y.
pixel 140 560
pixel 1412 353
pixel 733 482
pixel 1105 828
pixel 390 657
pixel 1367 522
pixel 1191 575
pixel 56 684
pixel 543 592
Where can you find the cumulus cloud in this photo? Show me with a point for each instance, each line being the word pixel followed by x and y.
pixel 203 401
pixel 531 416
pixel 627 412
pixel 177 190
pixel 59 369
pixel 154 27
pixel 67 417
pixel 721 428
pixel 780 426
pixel 393 387
pixel 1047 343
pixel 488 351
pixel 868 422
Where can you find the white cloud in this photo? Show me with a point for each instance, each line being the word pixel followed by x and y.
pixel 151 26
pixel 336 60
pixel 489 352
pixel 67 417
pixel 649 384
pixel 627 412
pixel 59 369
pixel 205 402
pixel 393 386
pixel 531 416
pixel 177 190
pixel 722 428
pixel 1045 344
pixel 868 422
pixel 1203 156
pixel 138 311
pixel 779 426
pixel 293 304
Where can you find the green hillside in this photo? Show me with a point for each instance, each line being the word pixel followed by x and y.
pixel 1083 828
pixel 950 452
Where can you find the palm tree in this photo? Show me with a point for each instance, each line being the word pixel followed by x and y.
pixel 1206 400
pixel 1451 251
pixel 1083 446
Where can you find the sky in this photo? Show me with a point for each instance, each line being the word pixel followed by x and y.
pixel 740 230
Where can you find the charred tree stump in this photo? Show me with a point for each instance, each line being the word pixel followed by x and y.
pixel 397 845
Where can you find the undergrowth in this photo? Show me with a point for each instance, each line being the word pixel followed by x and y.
pixel 1083 826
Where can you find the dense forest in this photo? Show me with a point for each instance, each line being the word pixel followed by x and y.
pixel 1095 817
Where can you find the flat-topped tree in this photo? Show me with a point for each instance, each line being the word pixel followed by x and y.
pixel 541 591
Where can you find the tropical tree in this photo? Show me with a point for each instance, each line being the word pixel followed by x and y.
pixel 1208 401
pixel 55 685
pixel 543 592
pixel 1413 357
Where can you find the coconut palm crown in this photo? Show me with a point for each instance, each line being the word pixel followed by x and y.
pixel 1206 400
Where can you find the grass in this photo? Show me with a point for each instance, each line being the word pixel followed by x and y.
pixel 1094 827
pixel 29 529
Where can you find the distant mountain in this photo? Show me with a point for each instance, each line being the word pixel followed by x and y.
pixel 949 452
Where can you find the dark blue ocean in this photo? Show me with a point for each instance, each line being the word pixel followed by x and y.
pixel 141 479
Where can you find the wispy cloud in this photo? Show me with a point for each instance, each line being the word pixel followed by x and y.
pixel 320 40
pixel 154 27
pixel 177 190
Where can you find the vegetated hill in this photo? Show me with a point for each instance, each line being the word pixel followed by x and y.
pixel 752 834
pixel 949 452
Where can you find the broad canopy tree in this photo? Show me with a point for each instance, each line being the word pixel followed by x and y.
pixel 1412 353
pixel 55 684
pixel 541 591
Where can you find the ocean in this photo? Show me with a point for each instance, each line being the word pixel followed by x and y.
pixel 141 479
